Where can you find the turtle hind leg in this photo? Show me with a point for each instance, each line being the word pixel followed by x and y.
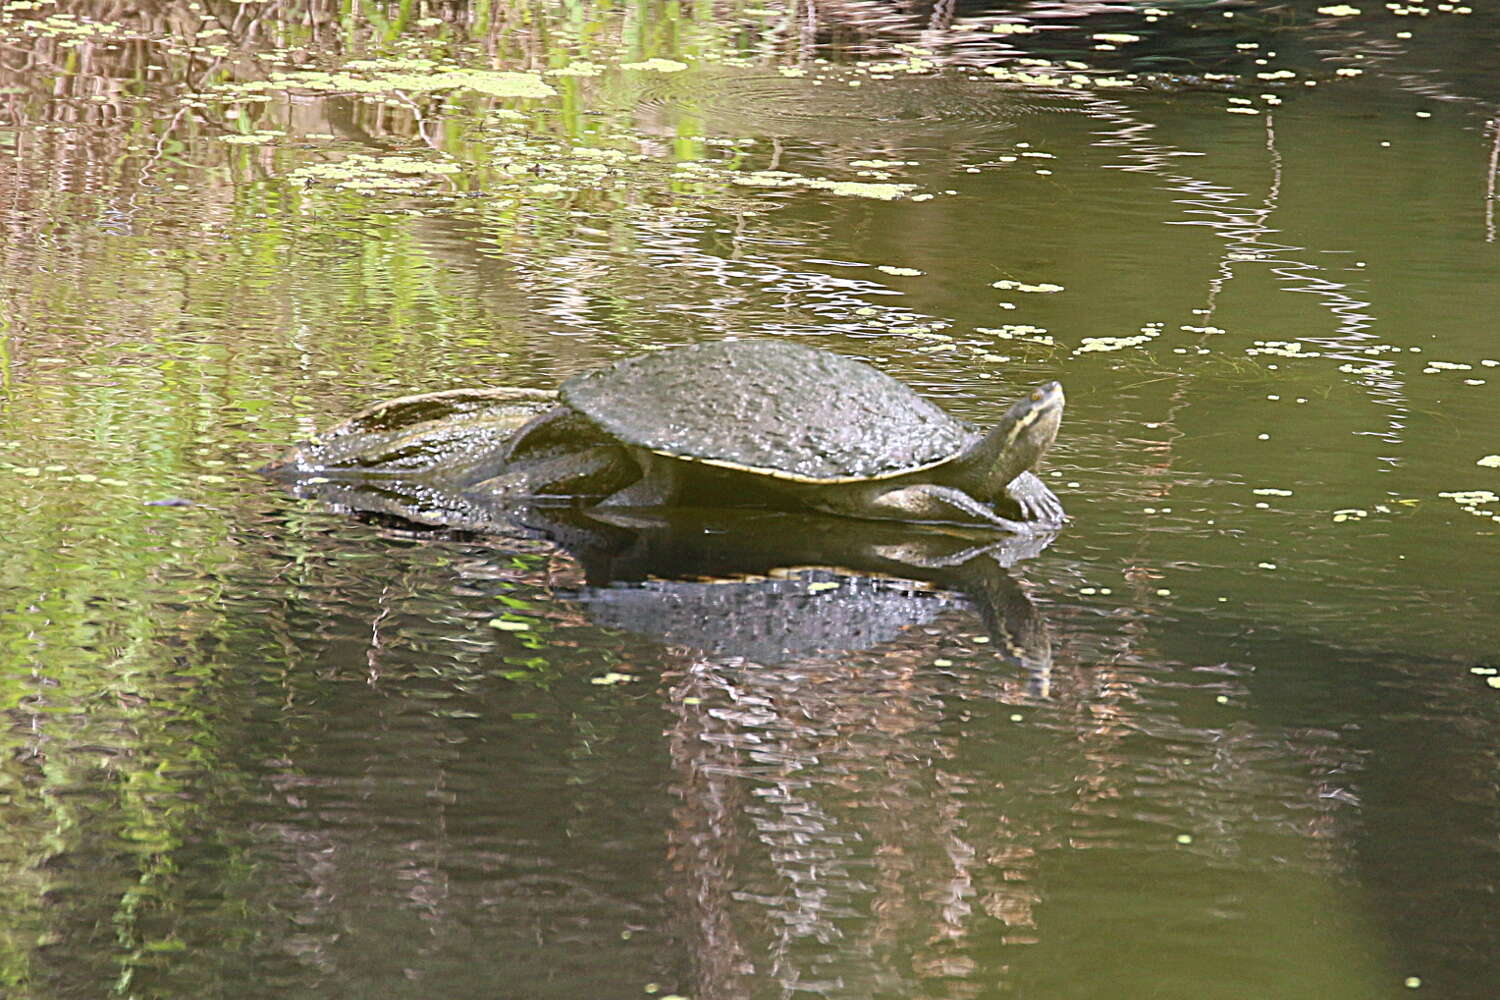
pixel 558 430
pixel 660 483
pixel 586 473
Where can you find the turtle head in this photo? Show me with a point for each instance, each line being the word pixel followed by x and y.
pixel 1015 444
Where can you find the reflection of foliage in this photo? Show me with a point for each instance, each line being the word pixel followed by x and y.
pixel 107 731
pixel 171 302
pixel 520 126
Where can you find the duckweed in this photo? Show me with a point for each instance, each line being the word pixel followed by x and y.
pixel 656 66
pixel 1021 286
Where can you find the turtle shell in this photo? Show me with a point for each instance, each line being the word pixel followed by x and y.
pixel 772 408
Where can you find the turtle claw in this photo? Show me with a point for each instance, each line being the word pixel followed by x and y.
pixel 1043 509
pixel 1037 502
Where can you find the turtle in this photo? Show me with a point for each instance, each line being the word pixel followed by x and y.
pixel 821 430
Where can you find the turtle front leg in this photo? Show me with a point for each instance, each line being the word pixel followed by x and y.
pixel 921 502
pixel 1036 500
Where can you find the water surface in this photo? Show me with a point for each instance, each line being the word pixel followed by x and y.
pixel 255 745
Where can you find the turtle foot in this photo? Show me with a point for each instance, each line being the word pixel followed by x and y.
pixel 1037 502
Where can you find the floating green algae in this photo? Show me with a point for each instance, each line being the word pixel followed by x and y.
pixel 1021 286
pixel 860 189
pixel 581 68
pixel 361 172
pixel 847 189
pixel 405 75
pixel 656 65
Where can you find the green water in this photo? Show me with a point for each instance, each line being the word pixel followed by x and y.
pixel 254 745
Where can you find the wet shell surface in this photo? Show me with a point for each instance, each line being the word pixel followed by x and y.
pixel 777 409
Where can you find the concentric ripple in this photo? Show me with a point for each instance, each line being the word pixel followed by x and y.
pixel 833 107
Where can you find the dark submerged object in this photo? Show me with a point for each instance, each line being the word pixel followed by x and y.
pixel 825 431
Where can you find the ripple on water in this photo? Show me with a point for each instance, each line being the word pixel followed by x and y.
pixel 833 108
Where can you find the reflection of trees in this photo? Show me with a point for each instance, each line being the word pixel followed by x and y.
pixel 136 130
pixel 398 790
pixel 876 821
pixel 109 741
pixel 819 829
pixel 532 266
pixel 400 795
pixel 836 830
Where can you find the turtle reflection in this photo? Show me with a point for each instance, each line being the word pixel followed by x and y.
pixel 761 585
pixel 773 586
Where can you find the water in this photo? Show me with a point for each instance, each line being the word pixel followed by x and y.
pixel 1224 737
